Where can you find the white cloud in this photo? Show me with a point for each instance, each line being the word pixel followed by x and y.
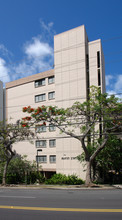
pixel 38 48
pixel 38 53
pixel 111 92
pixel 114 85
pixel 4 51
pixel 108 79
pixel 47 28
pixel 38 56
pixel 118 84
pixel 4 71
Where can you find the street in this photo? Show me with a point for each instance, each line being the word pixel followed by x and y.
pixel 60 204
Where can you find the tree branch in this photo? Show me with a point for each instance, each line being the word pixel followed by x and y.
pixel 100 147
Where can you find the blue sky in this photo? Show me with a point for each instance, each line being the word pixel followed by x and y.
pixel 27 28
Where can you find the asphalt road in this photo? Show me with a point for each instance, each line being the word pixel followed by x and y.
pixel 27 204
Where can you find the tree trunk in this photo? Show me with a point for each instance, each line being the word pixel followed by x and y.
pixel 5 171
pixel 88 174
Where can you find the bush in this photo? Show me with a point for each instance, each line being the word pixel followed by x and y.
pixel 35 177
pixel 74 180
pixel 21 171
pixel 63 179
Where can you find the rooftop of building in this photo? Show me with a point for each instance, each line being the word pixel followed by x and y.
pixel 29 79
pixel 79 27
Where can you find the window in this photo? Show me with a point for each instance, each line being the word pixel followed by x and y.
pixel 40 98
pixel 52 127
pixel 51 79
pixel 40 129
pixel 40 82
pixel 41 143
pixel 98 59
pixel 99 80
pixel 52 143
pixel 87 62
pixel 42 159
pixel 87 75
pixel 100 130
pixel 51 95
pixel 52 158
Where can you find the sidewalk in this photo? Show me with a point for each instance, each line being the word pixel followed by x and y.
pixel 118 186
pixel 62 187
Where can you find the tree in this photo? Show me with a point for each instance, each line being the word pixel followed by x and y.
pixel 109 161
pixel 10 134
pixel 20 170
pixel 90 122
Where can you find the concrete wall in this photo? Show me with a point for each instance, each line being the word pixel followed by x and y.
pixel 94 47
pixel 22 93
pixel 70 86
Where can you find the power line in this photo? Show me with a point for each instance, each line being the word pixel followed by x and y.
pixel 112 38
pixel 62 125
pixel 68 48
pixel 75 46
pixel 111 53
pixel 75 62
pixel 85 66
pixel 72 63
pixel 64 137
pixel 33 104
pixel 83 60
pixel 86 44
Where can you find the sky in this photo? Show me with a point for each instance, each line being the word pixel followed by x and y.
pixel 27 28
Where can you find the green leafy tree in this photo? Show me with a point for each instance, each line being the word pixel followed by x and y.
pixel 9 135
pixel 109 161
pixel 20 170
pixel 90 122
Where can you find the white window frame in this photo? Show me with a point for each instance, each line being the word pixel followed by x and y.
pixel 52 141
pixel 52 127
pixel 40 82
pixel 40 129
pixel 40 160
pixel 51 158
pixel 41 143
pixel 51 79
pixel 51 95
pixel 40 98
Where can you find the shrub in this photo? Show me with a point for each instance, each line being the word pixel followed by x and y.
pixel 63 179
pixel 34 177
pixel 74 180
pixel 21 170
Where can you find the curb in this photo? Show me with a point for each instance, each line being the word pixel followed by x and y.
pixel 70 187
pixel 118 186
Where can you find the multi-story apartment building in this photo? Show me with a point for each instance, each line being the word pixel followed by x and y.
pixel 78 64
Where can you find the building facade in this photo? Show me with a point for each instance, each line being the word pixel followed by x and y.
pixel 78 64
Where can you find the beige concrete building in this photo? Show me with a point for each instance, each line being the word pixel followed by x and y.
pixel 78 64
